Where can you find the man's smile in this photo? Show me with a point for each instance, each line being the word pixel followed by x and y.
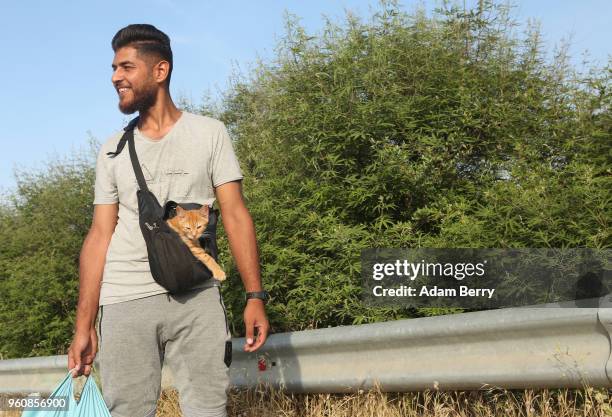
pixel 122 91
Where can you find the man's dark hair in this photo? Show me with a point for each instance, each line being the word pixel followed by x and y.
pixel 148 41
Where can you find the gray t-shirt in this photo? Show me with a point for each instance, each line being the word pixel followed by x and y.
pixel 192 158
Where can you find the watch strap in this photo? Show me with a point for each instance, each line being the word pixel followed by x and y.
pixel 262 295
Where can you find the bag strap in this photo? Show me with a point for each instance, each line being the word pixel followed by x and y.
pixel 131 125
pixel 128 136
pixel 134 158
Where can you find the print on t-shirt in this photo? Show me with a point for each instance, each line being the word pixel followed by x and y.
pixel 179 181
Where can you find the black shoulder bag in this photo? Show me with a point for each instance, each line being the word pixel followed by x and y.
pixel 173 266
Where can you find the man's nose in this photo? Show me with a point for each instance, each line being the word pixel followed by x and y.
pixel 116 77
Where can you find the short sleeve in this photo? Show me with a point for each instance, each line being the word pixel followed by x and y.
pixel 105 190
pixel 224 163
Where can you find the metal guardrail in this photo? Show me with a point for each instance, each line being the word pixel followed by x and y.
pixel 529 347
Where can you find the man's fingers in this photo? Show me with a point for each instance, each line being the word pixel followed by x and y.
pixel 71 361
pixel 81 357
pixel 255 317
pixel 262 333
pixel 249 335
pixel 250 331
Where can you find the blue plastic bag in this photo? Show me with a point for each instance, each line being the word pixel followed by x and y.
pixel 91 403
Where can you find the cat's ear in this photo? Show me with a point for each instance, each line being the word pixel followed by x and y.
pixel 204 210
pixel 180 211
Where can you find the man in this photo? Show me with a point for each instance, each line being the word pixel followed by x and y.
pixel 187 158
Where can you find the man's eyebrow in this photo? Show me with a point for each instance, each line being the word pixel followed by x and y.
pixel 113 66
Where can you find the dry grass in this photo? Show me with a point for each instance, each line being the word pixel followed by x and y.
pixel 267 402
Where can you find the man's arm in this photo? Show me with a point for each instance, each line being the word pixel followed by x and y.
pixel 240 230
pixel 91 265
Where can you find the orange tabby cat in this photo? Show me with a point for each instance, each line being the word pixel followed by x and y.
pixel 190 224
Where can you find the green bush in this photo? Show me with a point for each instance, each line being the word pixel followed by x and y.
pixel 410 131
pixel 42 228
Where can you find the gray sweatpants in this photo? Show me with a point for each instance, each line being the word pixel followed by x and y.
pixel 187 332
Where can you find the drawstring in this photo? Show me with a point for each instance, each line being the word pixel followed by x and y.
pixel 168 296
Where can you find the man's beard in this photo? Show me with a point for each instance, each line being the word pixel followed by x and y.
pixel 142 101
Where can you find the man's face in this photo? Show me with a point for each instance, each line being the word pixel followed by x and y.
pixel 133 81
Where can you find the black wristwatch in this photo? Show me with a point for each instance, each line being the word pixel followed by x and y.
pixel 262 295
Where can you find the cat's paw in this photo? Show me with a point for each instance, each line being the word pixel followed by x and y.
pixel 219 275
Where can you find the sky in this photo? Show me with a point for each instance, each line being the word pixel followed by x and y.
pixel 55 75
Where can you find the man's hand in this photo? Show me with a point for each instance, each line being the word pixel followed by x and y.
pixel 255 317
pixel 82 352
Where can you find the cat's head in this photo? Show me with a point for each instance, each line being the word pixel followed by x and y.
pixel 192 223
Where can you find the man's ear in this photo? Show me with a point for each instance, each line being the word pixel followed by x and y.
pixel 160 71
